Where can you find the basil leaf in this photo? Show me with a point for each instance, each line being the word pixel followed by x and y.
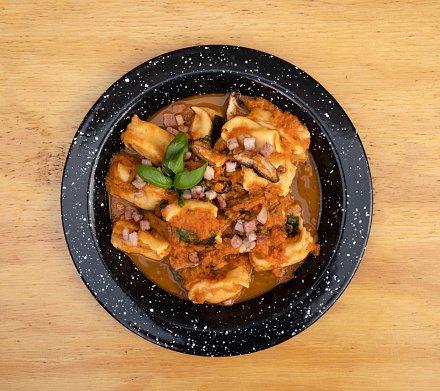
pixel 154 176
pixel 292 226
pixel 172 162
pixel 186 180
pixel 185 236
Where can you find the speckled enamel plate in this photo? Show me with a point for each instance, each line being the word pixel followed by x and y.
pixel 258 323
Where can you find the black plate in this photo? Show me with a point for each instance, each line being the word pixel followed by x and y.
pixel 258 323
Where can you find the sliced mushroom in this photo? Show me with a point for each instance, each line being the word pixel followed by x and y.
pixel 222 186
pixel 220 145
pixel 258 163
pixel 206 153
pixel 236 106
pixel 157 224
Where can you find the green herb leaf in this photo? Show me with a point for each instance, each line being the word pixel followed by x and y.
pixel 176 276
pixel 244 213
pixel 186 236
pixel 172 162
pixel 206 139
pixel 292 225
pixel 154 176
pixel 186 180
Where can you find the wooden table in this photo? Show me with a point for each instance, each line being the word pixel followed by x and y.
pixel 379 59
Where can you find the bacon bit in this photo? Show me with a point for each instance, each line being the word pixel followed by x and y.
pixel 197 192
pixel 261 240
pixel 221 201
pixel 137 216
pixel 144 225
pixel 119 206
pixel 179 119
pixel 172 131
pixel 249 244
pixel 178 108
pixel 209 173
pixel 236 241
pixel 262 216
pixel 231 166
pixel 125 233
pixel 169 120
pixel 232 143
pixel 188 155
pixel 211 194
pixel 281 169
pixel 239 226
pixel 183 128
pixel 186 194
pixel 138 193
pixel 146 162
pixel 249 143
pixel 133 238
pixel 249 226
pixel 193 257
pixel 252 245
pixel 128 215
pixel 252 236
pixel 138 183
pixel 266 149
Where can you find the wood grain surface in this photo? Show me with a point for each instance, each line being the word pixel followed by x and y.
pixel 379 59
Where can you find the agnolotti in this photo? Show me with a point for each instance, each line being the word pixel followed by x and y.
pixel 128 237
pixel 121 182
pixel 147 139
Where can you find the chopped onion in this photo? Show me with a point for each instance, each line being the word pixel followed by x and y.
pixel 231 166
pixel 211 194
pixel 262 216
pixel 209 173
pixel 133 238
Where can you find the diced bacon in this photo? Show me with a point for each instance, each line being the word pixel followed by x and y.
pixel 249 143
pixel 144 225
pixel 137 216
pixel 281 169
pixel 211 194
pixel 179 119
pixel 209 173
pixel 239 226
pixel 183 128
pixel 193 257
pixel 221 201
pixel 138 183
pixel 172 130
pixel 146 162
pixel 186 194
pixel 236 241
pixel 138 193
pixel 266 149
pixel 119 206
pixel 261 240
pixel 249 226
pixel 197 192
pixel 128 215
pixel 125 233
pixel 262 216
pixel 169 120
pixel 232 143
pixel 178 108
pixel 252 236
pixel 133 238
pixel 231 166
pixel 188 155
pixel 249 244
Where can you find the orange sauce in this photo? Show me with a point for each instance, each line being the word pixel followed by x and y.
pixel 305 188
